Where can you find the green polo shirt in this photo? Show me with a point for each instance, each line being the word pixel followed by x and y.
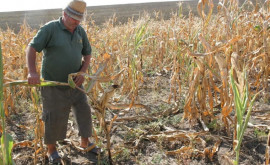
pixel 62 50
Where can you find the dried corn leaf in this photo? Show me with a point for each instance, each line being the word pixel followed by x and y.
pixel 95 135
pixel 80 148
pixel 205 128
pixel 263 117
pixel 40 128
pixel 267 155
pixel 210 97
pixel 91 84
pixel 183 150
pixel 205 44
pixel 106 56
pixel 111 123
pixel 227 109
pixel 259 126
pixel 226 160
pixel 188 109
pixel 125 106
pixel 224 76
pixel 235 144
pixel 200 8
pixel 136 118
pixel 180 136
pixel 214 150
pixel 106 96
pixel 24 144
pixel 100 79
pixel 214 49
pixel 39 151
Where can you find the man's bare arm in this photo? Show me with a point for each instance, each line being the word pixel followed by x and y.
pixel 33 77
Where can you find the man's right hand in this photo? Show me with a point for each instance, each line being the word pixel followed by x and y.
pixel 33 78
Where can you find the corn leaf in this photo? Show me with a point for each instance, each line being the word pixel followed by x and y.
pixel 43 83
pixel 237 101
pixel 246 121
pixel 6 147
pixel 71 81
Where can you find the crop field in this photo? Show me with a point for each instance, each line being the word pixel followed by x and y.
pixel 191 88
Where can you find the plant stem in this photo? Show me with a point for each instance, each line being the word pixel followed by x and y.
pixel 237 157
pixel 2 112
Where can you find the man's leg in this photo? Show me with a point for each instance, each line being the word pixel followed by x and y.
pixel 56 108
pixel 51 149
pixel 82 113
pixel 84 142
pixel 53 155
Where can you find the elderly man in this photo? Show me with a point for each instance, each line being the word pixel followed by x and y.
pixel 66 50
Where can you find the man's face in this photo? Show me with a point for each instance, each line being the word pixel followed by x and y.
pixel 70 23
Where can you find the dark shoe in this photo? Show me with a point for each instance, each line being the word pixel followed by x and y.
pixel 92 148
pixel 55 159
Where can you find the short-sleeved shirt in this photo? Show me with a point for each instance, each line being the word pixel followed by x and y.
pixel 62 50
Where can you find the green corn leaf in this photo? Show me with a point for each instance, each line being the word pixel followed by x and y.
pixel 257 27
pixel 6 146
pixel 236 100
pixel 35 95
pixel 1 74
pixel 245 99
pixel 35 98
pixel 42 83
pixel 245 102
pixel 71 82
pixel 10 146
pixel 241 104
pixel 246 121
pixel 2 113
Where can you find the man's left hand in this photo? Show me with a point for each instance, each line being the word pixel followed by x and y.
pixel 79 80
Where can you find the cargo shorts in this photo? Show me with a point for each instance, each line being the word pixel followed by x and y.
pixel 57 103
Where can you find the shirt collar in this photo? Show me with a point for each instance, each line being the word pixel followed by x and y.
pixel 61 24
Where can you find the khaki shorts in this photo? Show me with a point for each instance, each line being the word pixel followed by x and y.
pixel 57 104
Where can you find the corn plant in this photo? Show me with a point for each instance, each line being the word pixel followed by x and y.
pixel 243 110
pixel 6 139
pixel 135 72
pixel 39 128
pixel 101 115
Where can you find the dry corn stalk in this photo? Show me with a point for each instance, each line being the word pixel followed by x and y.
pixel 101 115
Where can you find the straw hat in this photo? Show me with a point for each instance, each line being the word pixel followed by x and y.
pixel 76 9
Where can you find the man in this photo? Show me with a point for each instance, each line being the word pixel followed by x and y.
pixel 66 50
